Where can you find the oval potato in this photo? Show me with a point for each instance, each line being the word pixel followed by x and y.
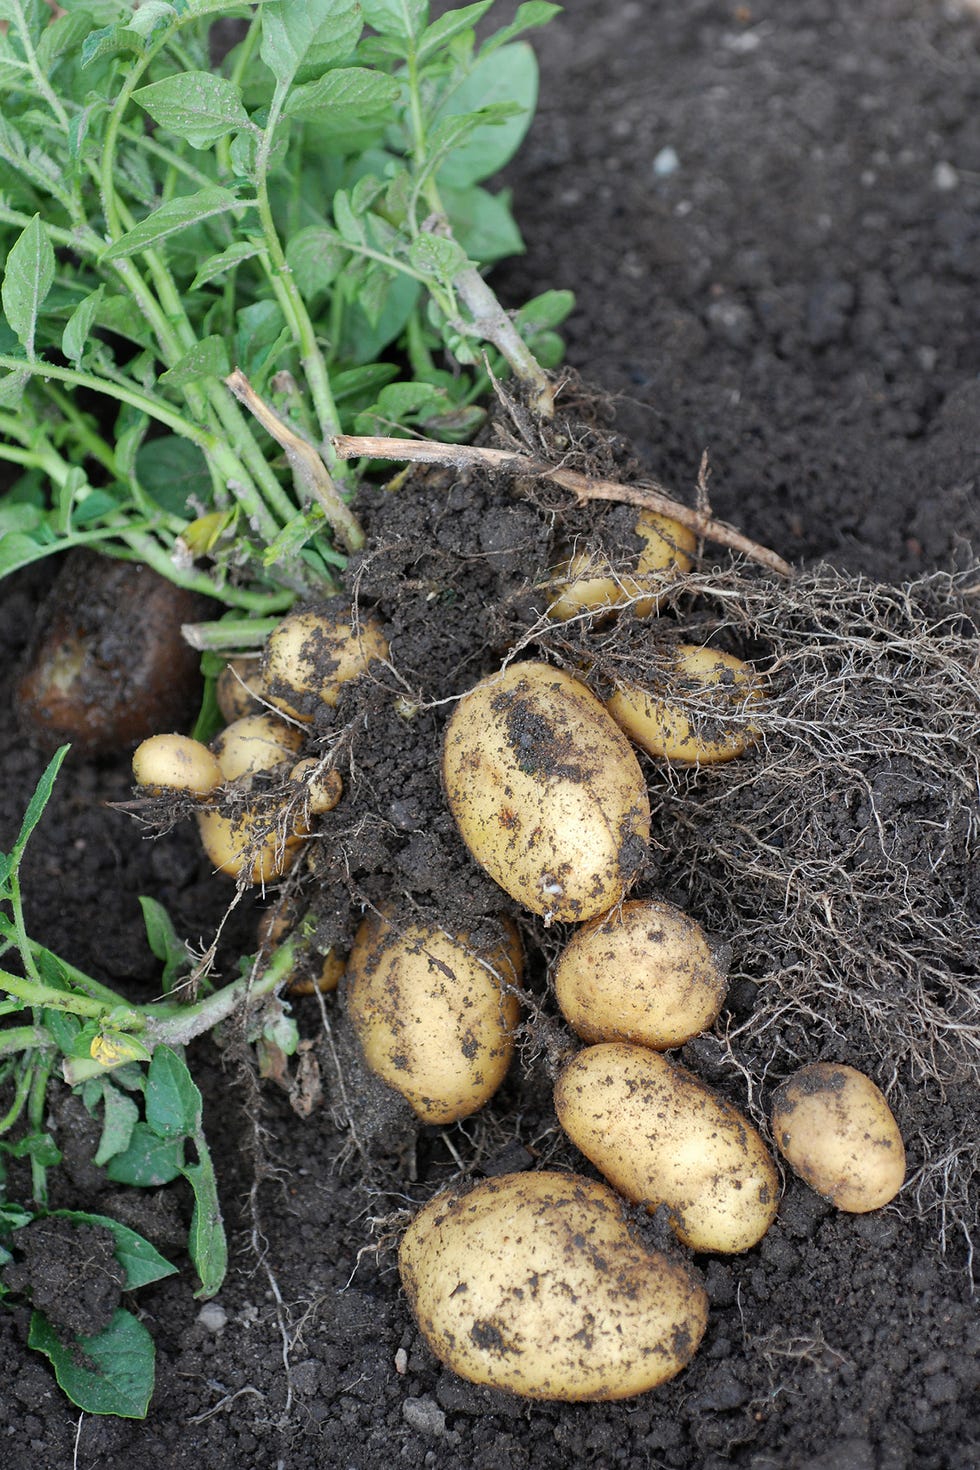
pixel 644 973
pixel 587 586
pixel 662 1138
pixel 546 792
pixel 245 847
pixel 255 743
pixel 836 1131
pixel 431 1013
pixel 310 656
pixel 167 764
pixel 534 1283
pixel 700 718
pixel 238 689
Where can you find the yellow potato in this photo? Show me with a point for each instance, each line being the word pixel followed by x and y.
pixel 535 1284
pixel 698 715
pixel 662 1138
pixel 238 689
pixel 835 1129
pixel 255 743
pixel 166 764
pixel 588 586
pixel 323 788
pixel 546 792
pixel 643 973
pixel 431 1013
pixel 310 656
pixel 243 847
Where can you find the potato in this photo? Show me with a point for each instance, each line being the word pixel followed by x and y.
pixel 312 971
pixel 534 1283
pixel 431 1012
pixel 546 792
pixel 586 586
pixel 310 656
pixel 238 689
pixel 662 1138
pixel 243 846
pixel 835 1129
pixel 166 764
pixel 254 744
pixel 699 716
pixel 323 788
pixel 644 973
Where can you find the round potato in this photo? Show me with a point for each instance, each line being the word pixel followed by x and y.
pixel 835 1129
pixel 662 1138
pixel 323 788
pixel 546 792
pixel 310 656
pixel 238 689
pixel 245 846
pixel 168 764
pixel 255 743
pixel 432 1013
pixel 587 586
pixel 534 1283
pixel 699 715
pixel 644 973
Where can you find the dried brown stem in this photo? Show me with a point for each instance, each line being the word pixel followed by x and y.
pixel 648 494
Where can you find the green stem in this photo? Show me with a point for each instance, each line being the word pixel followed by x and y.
pixel 84 433
pixel 229 633
pixel 178 1025
pixel 8 1044
pixel 37 993
pixel 41 82
pixel 36 1109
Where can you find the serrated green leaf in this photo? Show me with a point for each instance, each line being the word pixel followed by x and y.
pixel 508 77
pixel 148 1161
pixel 75 337
pixel 27 280
pixel 141 1261
pixel 449 25
pixel 197 105
pixel 402 18
pixel 315 255
pixel 110 1373
pixel 173 1101
pixel 351 107
pixel 437 256
pixel 175 214
pixel 308 34
pixel 216 265
pixel 206 359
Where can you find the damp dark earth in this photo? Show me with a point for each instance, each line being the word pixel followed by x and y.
pixel 770 217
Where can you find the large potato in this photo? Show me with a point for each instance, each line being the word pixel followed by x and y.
pixel 837 1132
pixel 310 656
pixel 696 715
pixel 534 1283
pixel 546 792
pixel 432 1013
pixel 644 973
pixel 662 1138
pixel 584 586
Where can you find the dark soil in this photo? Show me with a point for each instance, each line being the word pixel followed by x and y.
pixel 799 296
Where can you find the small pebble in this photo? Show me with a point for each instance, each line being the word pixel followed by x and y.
pixel 945 177
pixel 424 1415
pixel 666 163
pixel 213 1317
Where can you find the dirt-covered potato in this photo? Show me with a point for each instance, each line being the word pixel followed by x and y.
pixel 310 656
pixel 585 586
pixel 644 973
pixel 254 744
pixel 245 846
pixel 661 1137
pixel 164 764
pixel 546 792
pixel 699 716
pixel 432 1012
pixel 535 1284
pixel 835 1129
pixel 238 689
pixel 323 788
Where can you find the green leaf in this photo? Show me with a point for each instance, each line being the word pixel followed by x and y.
pixel 400 404
pixel 402 18
pixel 18 550
pixel 313 34
pixel 12 389
pixel 315 256
pixel 164 941
pixel 206 359
pixel 508 76
pixel 349 226
pixel 482 223
pixel 196 105
pixel 110 1373
pixel 174 474
pixel 37 803
pixel 235 254
pixel 449 25
pixel 206 1242
pixel 175 214
pixel 27 280
pixel 362 380
pixel 529 17
pixel 148 1161
pixel 141 1261
pixel 119 1117
pixel 74 339
pixel 173 1101
pixel 435 255
pixel 547 310
pixel 351 107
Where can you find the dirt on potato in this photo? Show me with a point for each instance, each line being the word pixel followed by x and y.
pixel 770 219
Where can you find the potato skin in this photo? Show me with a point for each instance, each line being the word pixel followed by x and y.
pixel 836 1131
pixel 703 732
pixel 235 847
pixel 431 1018
pixel 254 744
pixel 546 792
pixel 534 1283
pixel 662 1138
pixel 644 973
pixel 165 764
pixel 310 656
pixel 587 587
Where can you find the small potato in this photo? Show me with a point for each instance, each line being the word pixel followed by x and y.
pixel 431 1013
pixel 310 656
pixel 698 717
pixel 323 788
pixel 238 689
pixel 254 744
pixel 535 1284
pixel 589 587
pixel 662 1138
pixel 164 764
pixel 546 792
pixel 835 1129
pixel 311 971
pixel 244 847
pixel 644 973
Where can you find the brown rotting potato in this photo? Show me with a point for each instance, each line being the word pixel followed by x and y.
pixel 546 792
pixel 534 1283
